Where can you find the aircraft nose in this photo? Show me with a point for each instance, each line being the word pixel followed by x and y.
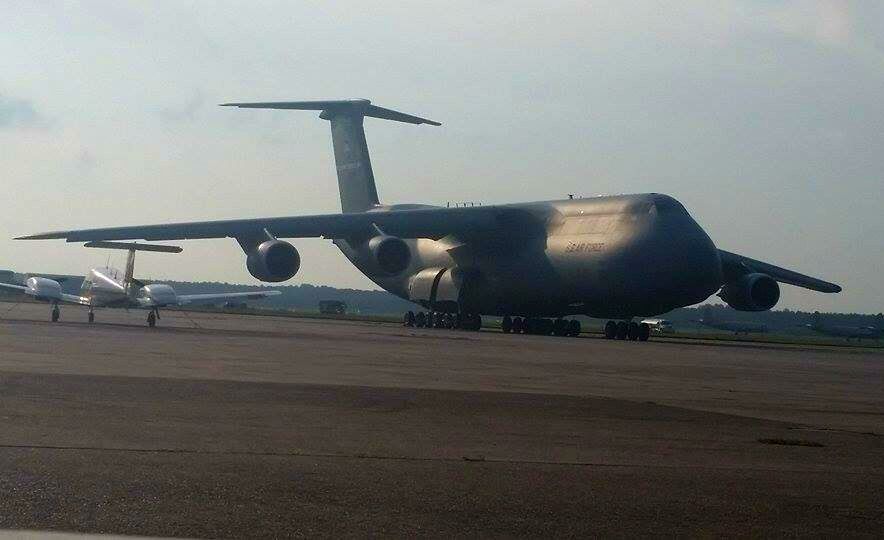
pixel 687 261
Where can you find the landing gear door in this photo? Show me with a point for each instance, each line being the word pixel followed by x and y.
pixel 436 288
pixel 422 288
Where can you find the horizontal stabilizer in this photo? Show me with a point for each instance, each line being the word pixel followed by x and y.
pixel 134 246
pixel 330 108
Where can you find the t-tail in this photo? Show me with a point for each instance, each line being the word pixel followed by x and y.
pixel 355 177
pixel 129 282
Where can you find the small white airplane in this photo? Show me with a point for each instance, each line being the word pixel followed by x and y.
pixel 108 287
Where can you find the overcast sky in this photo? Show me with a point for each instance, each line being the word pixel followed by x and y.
pixel 766 119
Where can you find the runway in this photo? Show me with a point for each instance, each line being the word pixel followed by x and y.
pixel 232 426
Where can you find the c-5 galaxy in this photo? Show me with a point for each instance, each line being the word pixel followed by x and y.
pixel 534 264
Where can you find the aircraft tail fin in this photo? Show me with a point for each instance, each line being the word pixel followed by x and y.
pixel 355 176
pixel 132 284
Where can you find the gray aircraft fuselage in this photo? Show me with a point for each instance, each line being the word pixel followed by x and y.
pixel 611 257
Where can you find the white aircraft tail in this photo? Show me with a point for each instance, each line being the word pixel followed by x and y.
pixel 129 277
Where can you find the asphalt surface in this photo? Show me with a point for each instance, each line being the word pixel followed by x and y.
pixel 236 426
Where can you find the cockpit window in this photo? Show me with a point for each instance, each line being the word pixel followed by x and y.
pixel 668 205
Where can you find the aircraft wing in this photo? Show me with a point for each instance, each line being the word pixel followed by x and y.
pixel 735 264
pixel 184 299
pixel 14 287
pixel 428 222
pixel 74 299
pixel 60 297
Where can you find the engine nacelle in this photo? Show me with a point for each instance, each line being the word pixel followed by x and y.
pixel 751 292
pixel 44 288
pixel 391 254
pixel 273 260
pixel 160 294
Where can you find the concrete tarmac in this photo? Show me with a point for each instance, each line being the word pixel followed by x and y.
pixel 232 426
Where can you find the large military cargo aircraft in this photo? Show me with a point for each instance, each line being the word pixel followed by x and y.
pixel 532 263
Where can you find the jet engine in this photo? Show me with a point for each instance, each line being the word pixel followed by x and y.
pixel 391 254
pixel 751 292
pixel 273 260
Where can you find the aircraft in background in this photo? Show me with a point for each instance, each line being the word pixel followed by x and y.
pixel 533 263
pixel 737 327
pixel 660 326
pixel 108 287
pixel 848 332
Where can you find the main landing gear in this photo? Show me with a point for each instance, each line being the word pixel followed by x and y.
pixel 153 317
pixel 624 330
pixel 542 327
pixel 453 321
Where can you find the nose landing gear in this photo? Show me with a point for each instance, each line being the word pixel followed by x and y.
pixel 152 317
pixel 91 315
pixel 56 313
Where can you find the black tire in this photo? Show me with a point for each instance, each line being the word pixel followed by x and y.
pixel 644 332
pixel 622 330
pixel 529 326
pixel 456 321
pixel 151 320
pixel 420 320
pixel 55 315
pixel 408 320
pixel 632 331
pixel 477 322
pixel 91 317
pixel 517 325
pixel 560 327
pixel 447 321
pixel 574 328
pixel 610 330
pixel 506 324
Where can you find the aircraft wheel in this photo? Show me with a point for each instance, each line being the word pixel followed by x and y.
pixel 456 321
pixel 91 317
pixel 632 331
pixel 447 321
pixel 55 314
pixel 517 325
pixel 529 325
pixel 644 332
pixel 622 330
pixel 409 318
pixel 151 319
pixel 420 320
pixel 574 328
pixel 560 327
pixel 477 322
pixel 506 324
pixel 610 330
